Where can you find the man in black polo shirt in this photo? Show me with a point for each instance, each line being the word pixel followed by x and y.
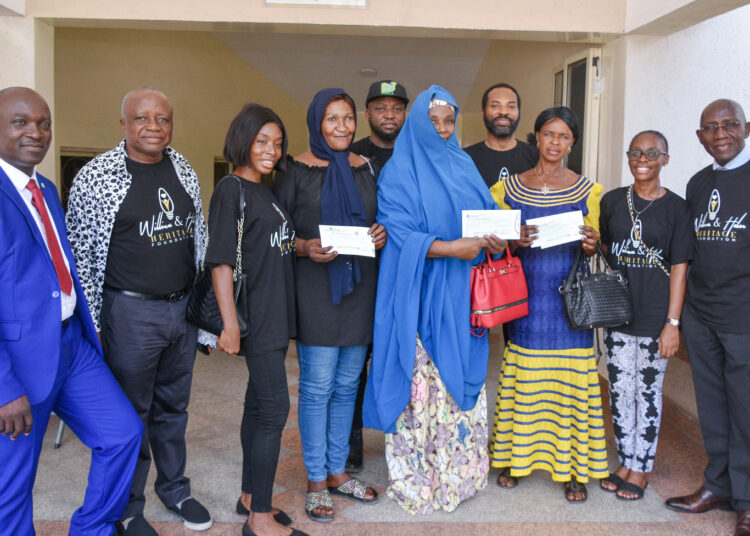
pixel 386 112
pixel 501 154
pixel 137 231
pixel 716 316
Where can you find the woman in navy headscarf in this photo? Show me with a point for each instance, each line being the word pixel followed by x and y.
pixel 329 185
pixel 431 402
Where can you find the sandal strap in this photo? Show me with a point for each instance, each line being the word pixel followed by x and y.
pixel 354 488
pixel 313 499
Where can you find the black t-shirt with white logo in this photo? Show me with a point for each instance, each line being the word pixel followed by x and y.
pixel 664 227
pixel 267 258
pixel 151 247
pixel 719 281
pixel 495 165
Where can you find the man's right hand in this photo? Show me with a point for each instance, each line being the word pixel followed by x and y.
pixel 15 417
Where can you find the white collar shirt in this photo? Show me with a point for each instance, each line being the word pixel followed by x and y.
pixel 742 158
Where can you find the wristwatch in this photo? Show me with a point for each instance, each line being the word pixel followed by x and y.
pixel 673 322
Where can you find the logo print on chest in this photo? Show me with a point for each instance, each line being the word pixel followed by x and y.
pixel 714 204
pixel 166 204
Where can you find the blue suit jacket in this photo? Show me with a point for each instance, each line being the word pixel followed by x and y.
pixel 30 328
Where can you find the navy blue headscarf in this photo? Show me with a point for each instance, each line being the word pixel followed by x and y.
pixel 340 200
pixel 421 192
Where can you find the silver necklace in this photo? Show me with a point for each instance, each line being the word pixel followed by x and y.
pixel 632 205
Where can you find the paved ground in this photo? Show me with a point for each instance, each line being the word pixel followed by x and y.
pixel 536 507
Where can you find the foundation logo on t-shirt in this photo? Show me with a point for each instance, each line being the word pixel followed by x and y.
pixel 166 203
pixel 176 228
pixel 284 239
pixel 710 227
pixel 632 252
pixel 504 174
pixel 714 204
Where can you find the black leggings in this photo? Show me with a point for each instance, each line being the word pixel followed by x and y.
pixel 266 410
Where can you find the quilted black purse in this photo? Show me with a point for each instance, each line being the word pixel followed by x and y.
pixel 596 300
pixel 202 308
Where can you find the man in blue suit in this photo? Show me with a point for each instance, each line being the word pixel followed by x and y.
pixel 50 356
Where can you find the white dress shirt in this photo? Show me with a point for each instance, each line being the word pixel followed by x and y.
pixel 20 180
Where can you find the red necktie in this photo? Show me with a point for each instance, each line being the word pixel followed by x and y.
pixel 66 282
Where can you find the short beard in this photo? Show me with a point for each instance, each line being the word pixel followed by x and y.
pixel 385 136
pixel 499 132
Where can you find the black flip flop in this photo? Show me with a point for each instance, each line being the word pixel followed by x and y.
pixel 612 479
pixel 631 488
pixel 506 473
pixel 573 486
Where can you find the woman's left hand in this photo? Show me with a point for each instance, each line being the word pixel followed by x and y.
pixel 669 341
pixel 494 244
pixel 378 234
pixel 589 240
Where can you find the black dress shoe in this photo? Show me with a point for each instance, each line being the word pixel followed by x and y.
pixel 701 501
pixel 247 531
pixel 743 523
pixel 354 461
pixel 282 518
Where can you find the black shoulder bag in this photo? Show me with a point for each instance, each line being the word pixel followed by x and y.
pixel 202 308
pixel 596 300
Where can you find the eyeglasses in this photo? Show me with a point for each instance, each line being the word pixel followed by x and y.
pixel 727 126
pixel 651 154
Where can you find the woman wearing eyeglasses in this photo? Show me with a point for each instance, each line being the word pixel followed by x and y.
pixel 646 233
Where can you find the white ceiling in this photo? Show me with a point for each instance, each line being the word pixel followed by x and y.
pixel 303 64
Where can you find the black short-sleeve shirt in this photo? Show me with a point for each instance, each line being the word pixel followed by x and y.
pixel 151 246
pixel 366 148
pixel 320 322
pixel 495 165
pixel 665 229
pixel 267 258
pixel 719 281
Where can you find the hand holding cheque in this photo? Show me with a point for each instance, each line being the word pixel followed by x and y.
pixel 352 240
pixel 557 229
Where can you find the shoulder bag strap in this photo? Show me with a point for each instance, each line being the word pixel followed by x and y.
pixel 240 228
pixel 631 210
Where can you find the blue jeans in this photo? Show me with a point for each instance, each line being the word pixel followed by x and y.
pixel 328 381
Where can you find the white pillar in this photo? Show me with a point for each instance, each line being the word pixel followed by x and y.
pixel 28 60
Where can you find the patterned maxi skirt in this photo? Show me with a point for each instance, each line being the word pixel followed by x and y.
pixel 549 414
pixel 438 456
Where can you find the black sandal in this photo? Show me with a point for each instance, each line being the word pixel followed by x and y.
pixel 505 473
pixel 612 479
pixel 573 487
pixel 631 488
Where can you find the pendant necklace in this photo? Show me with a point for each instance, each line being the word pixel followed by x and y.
pixel 632 205
pixel 545 188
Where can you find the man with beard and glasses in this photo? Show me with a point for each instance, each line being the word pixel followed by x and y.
pixel 385 110
pixel 501 154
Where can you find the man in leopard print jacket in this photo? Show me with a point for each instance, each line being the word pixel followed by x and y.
pixel 137 230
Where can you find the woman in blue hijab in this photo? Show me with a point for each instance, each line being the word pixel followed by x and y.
pixel 426 387
pixel 335 294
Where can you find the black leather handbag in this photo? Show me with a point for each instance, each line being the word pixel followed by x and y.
pixel 596 300
pixel 202 308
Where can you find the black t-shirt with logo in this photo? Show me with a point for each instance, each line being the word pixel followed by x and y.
pixel 267 258
pixel 719 281
pixel 151 249
pixel 497 165
pixel 665 228
pixel 366 148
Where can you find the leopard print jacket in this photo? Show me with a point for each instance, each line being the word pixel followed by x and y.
pixel 96 195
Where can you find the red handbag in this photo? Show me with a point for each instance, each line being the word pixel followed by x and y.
pixel 498 293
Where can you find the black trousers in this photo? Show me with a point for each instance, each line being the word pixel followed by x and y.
pixel 266 411
pixel 721 373
pixel 150 349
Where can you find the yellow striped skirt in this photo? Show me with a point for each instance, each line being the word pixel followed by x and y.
pixel 548 414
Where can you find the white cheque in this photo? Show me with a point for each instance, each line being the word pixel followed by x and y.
pixel 557 229
pixel 505 224
pixel 347 240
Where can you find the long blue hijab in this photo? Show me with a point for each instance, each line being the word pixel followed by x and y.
pixel 421 192
pixel 340 200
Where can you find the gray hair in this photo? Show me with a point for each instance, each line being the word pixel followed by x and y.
pixel 141 89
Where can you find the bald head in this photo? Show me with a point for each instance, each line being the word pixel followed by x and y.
pixel 723 129
pixel 724 104
pixel 25 128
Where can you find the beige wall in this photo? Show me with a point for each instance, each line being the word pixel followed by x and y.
pixel 207 83
pixel 527 66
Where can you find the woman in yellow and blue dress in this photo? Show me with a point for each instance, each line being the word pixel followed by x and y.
pixel 549 411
